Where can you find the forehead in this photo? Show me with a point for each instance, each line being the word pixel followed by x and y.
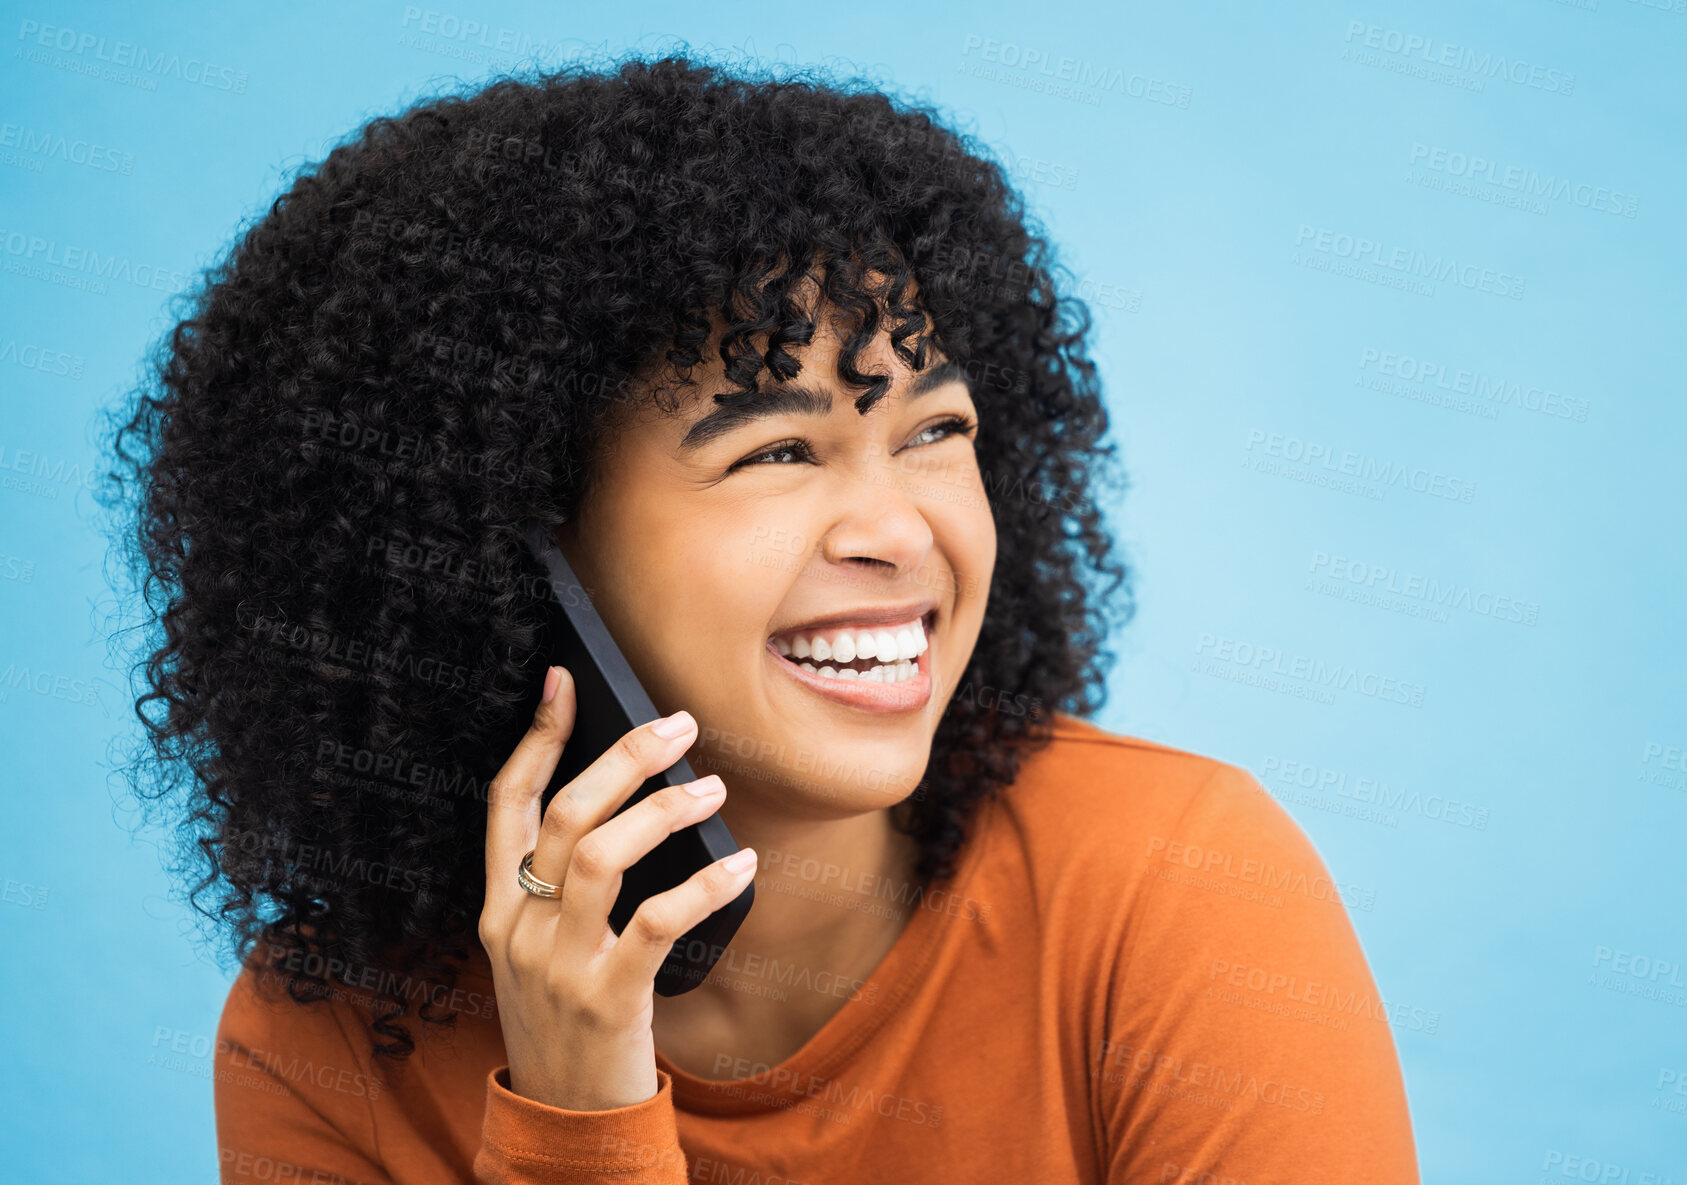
pixel 665 400
pixel 667 407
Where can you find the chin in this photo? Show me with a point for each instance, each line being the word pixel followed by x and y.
pixel 830 776
pixel 833 717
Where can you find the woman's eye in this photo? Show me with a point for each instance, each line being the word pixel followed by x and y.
pixel 790 448
pixel 953 426
pixel 799 451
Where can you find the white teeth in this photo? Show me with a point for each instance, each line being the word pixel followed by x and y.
pixel 889 673
pixel 885 648
pixel 893 648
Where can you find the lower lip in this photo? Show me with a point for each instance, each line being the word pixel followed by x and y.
pixel 905 696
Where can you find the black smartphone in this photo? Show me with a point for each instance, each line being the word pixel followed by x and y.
pixel 610 703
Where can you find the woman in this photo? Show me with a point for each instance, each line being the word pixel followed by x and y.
pixel 786 372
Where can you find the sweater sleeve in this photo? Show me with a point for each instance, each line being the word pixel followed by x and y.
pixel 1245 1037
pixel 523 1141
pixel 296 1101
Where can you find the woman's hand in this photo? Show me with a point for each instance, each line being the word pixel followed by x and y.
pixel 575 1001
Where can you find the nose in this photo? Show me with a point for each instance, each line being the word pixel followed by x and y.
pixel 879 525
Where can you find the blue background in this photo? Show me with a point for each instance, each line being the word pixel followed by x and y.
pixel 1216 232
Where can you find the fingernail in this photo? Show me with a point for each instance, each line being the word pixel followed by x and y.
pixel 740 860
pixel 670 727
pixel 553 680
pixel 704 787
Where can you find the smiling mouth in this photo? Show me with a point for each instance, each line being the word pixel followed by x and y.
pixel 873 653
pixel 870 683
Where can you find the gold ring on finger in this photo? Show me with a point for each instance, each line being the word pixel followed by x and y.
pixel 524 875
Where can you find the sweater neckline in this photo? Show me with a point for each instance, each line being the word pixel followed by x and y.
pixel 881 996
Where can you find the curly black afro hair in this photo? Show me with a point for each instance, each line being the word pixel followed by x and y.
pixel 318 485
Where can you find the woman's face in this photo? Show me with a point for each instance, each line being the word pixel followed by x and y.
pixel 711 545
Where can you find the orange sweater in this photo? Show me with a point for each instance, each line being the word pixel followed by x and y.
pixel 1142 973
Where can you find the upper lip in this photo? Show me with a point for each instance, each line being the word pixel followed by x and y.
pixel 867 615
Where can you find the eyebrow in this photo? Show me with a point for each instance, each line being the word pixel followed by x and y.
pixel 797 399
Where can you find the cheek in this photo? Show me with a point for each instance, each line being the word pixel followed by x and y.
pixel 682 606
pixel 981 534
pixel 970 531
pixel 975 560
pixel 710 602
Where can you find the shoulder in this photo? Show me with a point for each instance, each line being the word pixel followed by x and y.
pixel 261 1015
pixel 290 1084
pixel 1118 835
pixel 1126 802
pixel 259 1012
pixel 1219 993
pixel 318 1051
